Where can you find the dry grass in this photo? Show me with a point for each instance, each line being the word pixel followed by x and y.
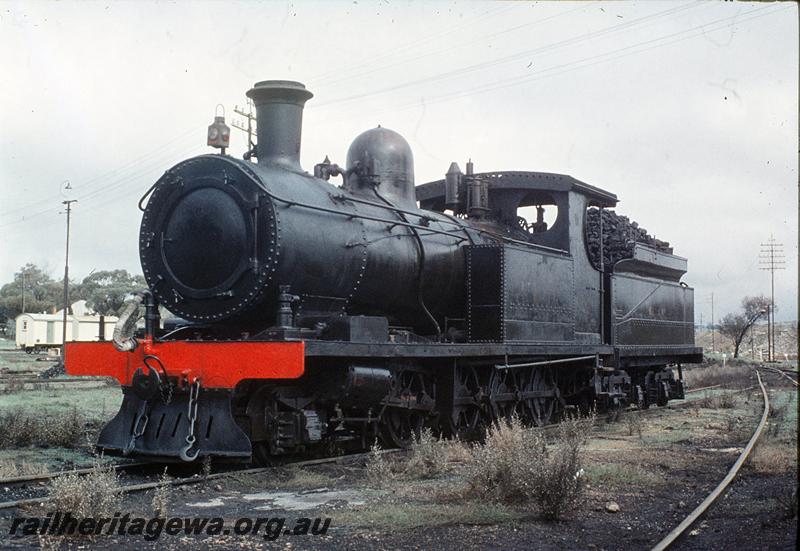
pixel 379 472
pixel 780 417
pixel 305 479
pixel 206 466
pixel 730 376
pixel 162 495
pixel 722 400
pixel 621 475
pixel 517 465
pixel 92 495
pixel 514 465
pixel 428 456
pixel 10 469
pixel 773 458
pixel 12 386
pixel 634 423
pixel 21 428
pixel 505 467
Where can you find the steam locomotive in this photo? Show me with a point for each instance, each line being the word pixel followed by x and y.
pixel 309 312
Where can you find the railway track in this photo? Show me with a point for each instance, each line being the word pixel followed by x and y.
pixel 783 373
pixel 679 531
pixel 42 478
pixel 9 385
pixel 177 481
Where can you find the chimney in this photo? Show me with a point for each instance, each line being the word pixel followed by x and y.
pixel 279 115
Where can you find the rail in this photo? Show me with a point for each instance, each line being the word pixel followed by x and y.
pixel 701 509
pixel 196 479
pixel 782 373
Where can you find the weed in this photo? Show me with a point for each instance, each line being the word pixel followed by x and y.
pixel 306 479
pixel 726 400
pixel 457 451
pixel 634 423
pixel 428 456
pixel 22 428
pixel 731 376
pixel 206 466
pixel 92 495
pixel 561 480
pixel 515 465
pixel 615 475
pixel 10 469
pixel 732 424
pixel 773 458
pixel 722 400
pixel 161 495
pixel 378 470
pixel 506 467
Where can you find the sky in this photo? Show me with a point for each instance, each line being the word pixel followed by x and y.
pixel 688 111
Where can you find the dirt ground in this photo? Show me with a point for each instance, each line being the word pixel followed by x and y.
pixel 654 467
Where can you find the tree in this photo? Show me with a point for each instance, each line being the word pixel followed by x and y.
pixel 735 326
pixel 105 291
pixel 42 293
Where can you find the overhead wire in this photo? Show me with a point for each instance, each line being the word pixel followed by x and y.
pixel 103 176
pixel 698 30
pixel 461 71
pixel 416 42
pixel 480 38
pixel 156 163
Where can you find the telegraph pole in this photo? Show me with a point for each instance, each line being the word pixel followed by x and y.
pixel 713 332
pixel 249 128
pixel 23 290
pixel 771 259
pixel 66 281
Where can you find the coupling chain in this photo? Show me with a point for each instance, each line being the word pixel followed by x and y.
pixel 194 393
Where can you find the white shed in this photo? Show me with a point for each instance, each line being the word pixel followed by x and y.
pixel 42 331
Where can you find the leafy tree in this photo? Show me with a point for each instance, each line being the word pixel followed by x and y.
pixel 736 325
pixel 105 290
pixel 42 293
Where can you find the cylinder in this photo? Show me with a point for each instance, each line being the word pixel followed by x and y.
pixel 279 116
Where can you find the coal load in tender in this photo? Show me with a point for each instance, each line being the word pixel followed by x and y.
pixel 620 235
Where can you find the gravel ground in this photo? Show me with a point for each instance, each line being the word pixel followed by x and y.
pixel 654 480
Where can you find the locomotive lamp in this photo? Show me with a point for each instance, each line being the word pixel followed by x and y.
pixel 219 134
